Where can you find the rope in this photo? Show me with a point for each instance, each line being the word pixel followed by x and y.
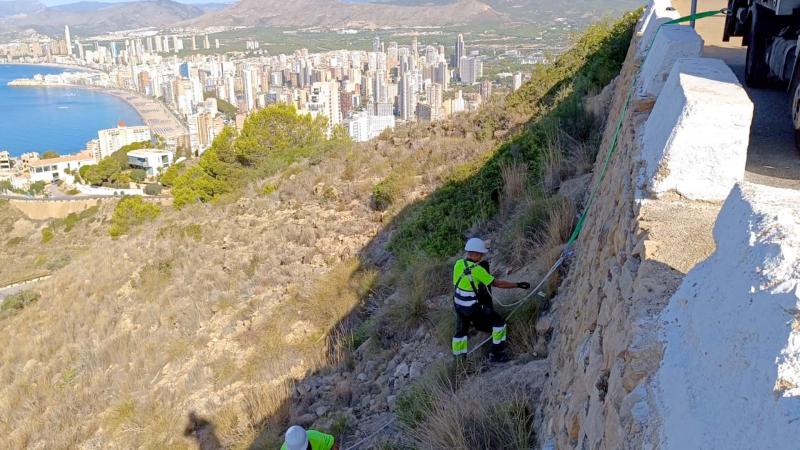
pixel 389 422
pixel 601 177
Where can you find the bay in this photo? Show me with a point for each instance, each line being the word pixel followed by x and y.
pixel 54 118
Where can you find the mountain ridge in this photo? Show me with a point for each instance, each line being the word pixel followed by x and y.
pixel 335 13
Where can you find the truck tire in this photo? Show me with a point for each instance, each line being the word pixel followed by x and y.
pixel 756 70
pixel 795 92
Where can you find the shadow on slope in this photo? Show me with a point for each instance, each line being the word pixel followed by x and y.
pixel 429 232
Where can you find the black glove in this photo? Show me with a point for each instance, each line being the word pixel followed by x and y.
pixel 524 285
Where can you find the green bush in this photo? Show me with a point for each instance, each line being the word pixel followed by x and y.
pixel 47 234
pixel 14 241
pixel 19 301
pixel 271 140
pixel 50 154
pixel 70 221
pixel 131 211
pixel 37 187
pixel 553 96
pixel 152 189
pixel 138 175
pixel 193 231
pixel 73 191
pixel 172 172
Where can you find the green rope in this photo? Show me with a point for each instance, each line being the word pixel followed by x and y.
pixel 618 129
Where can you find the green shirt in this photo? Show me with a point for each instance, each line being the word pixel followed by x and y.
pixel 318 440
pixel 479 275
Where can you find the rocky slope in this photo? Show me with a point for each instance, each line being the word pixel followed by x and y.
pixel 300 300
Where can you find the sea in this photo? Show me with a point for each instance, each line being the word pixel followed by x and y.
pixel 54 118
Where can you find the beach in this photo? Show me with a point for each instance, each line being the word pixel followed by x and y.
pixel 153 113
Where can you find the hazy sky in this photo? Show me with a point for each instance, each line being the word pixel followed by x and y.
pixel 189 2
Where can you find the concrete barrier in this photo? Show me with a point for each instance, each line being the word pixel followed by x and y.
pixel 671 43
pixel 696 138
pixel 658 13
pixel 730 376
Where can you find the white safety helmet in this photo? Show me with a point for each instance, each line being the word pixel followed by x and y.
pixel 476 245
pixel 296 438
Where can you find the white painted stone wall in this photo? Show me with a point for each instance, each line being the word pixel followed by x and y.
pixel 671 43
pixel 657 13
pixel 730 376
pixel 696 138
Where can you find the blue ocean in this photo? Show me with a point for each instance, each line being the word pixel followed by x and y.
pixel 60 119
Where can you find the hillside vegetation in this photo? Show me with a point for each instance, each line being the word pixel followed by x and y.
pixel 303 279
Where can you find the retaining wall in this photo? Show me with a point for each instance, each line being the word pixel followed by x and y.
pixel 651 225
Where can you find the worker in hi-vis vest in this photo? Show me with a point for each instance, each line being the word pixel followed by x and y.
pixel 298 438
pixel 473 300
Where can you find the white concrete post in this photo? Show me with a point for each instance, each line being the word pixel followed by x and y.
pixel 696 138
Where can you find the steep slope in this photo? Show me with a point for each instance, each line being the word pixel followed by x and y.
pixel 335 13
pixel 316 295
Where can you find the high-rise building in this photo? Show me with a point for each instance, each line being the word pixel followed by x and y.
pixel 435 97
pixel 458 52
pixel 441 75
pixel 486 90
pixel 249 89
pixel 113 139
pixel 406 106
pixel 207 43
pixel 517 83
pixel 376 44
pixel 470 70
pixel 68 40
pixel 324 99
pixel 194 42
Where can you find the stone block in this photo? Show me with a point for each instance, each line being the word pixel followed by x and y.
pixel 696 138
pixel 671 43
pixel 657 14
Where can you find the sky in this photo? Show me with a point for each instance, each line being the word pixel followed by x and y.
pixel 188 2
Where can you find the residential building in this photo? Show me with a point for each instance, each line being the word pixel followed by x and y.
pixel 364 126
pixel 54 169
pixel 152 161
pixel 5 161
pixel 114 139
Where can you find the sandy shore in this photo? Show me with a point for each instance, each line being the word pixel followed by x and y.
pixel 153 113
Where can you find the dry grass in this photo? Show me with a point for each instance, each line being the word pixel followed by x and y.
pixel 476 416
pixel 515 183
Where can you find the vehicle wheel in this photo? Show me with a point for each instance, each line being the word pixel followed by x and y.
pixel 756 70
pixel 796 112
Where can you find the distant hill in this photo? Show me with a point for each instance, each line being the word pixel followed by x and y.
pixel 97 17
pixel 336 13
pixel 91 6
pixel 15 7
pixel 80 7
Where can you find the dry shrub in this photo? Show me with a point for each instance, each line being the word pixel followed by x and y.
pixel 477 416
pixel 536 231
pixel 515 183
pixel 418 282
pixel 255 418
pixel 563 156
